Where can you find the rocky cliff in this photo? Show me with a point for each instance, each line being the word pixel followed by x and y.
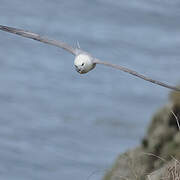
pixel 157 156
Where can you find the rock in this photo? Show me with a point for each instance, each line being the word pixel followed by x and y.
pixel 128 166
pixel 169 171
pixel 155 156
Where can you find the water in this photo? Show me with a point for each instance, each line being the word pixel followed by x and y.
pixel 57 124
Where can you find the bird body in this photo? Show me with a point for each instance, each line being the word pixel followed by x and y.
pixel 83 61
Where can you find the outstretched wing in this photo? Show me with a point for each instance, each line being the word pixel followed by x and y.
pixel 37 37
pixel 134 73
pixel 73 51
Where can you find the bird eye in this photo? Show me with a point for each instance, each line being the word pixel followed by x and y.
pixel 82 64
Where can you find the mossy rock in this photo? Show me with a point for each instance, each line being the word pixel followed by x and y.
pixel 130 165
pixel 162 143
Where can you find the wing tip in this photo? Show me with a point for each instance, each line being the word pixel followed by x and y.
pixel 7 29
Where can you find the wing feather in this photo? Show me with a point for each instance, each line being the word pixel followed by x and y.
pixel 134 73
pixel 37 37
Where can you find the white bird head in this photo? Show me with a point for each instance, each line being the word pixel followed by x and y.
pixel 84 63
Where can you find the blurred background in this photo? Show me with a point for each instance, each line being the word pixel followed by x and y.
pixel 58 124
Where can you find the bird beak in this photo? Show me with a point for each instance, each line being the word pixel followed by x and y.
pixel 77 69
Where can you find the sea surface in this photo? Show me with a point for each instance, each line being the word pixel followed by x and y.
pixel 57 124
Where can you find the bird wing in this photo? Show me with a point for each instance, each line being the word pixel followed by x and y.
pixel 73 51
pixel 134 73
pixel 37 37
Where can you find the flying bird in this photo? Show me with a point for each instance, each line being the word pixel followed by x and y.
pixel 84 61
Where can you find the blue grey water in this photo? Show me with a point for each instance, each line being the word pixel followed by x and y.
pixel 57 124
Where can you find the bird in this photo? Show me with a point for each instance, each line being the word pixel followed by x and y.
pixel 83 61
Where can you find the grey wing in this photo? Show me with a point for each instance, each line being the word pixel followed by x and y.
pixel 134 73
pixel 37 37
